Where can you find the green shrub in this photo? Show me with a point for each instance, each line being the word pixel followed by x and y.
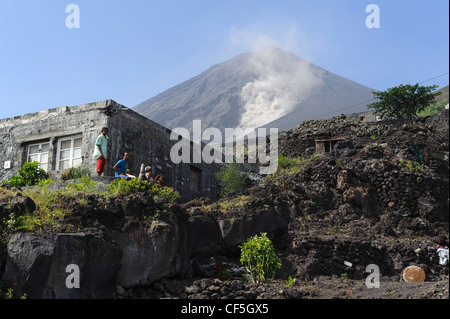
pixel 46 181
pixel 161 195
pixel 411 166
pixel 75 173
pixel 259 258
pixel 168 193
pixel 86 185
pixel 30 174
pixel 225 275
pixel 230 178
pixel 14 181
pixel 123 187
pixel 285 162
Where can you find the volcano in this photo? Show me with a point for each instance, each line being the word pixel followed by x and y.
pixel 269 88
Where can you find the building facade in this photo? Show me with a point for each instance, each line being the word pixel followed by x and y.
pixel 65 137
pixel 366 116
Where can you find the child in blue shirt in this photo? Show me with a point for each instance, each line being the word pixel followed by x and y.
pixel 121 167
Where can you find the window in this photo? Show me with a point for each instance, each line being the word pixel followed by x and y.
pixel 39 153
pixel 69 153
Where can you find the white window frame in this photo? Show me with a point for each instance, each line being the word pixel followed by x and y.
pixel 40 153
pixel 71 157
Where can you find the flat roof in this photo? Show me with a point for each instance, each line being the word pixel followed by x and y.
pixel 331 139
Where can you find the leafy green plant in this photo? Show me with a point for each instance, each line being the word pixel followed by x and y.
pixel 14 181
pixel 288 166
pixel 234 203
pixel 411 166
pixel 170 194
pixel 75 173
pixel 259 258
pixel 162 196
pixel 30 174
pixel 51 205
pixel 49 210
pixel 9 294
pixel 285 162
pixel 290 281
pixel 230 178
pixel 244 279
pixel 46 181
pixel 434 108
pixel 124 187
pixel 225 275
pixel 86 185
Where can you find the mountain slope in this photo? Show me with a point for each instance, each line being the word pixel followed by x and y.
pixel 270 87
pixel 444 94
pixel 211 96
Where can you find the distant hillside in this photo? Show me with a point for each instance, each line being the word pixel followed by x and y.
pixel 444 94
pixel 439 105
pixel 271 87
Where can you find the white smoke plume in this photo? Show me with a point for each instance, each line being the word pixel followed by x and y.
pixel 281 84
pixel 282 79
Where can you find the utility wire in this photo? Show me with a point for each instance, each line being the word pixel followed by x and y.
pixel 436 77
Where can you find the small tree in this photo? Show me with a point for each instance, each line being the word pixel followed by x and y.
pixel 403 101
pixel 259 258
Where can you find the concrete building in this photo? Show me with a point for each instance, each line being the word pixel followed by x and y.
pixel 366 116
pixel 326 145
pixel 65 137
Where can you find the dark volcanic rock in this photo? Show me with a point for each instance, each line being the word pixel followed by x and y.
pixel 380 197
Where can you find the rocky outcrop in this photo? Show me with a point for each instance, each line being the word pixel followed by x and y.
pixel 121 244
pixel 37 266
pixel 379 197
pixel 160 249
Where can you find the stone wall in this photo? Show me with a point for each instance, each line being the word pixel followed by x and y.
pixel 17 133
pixel 116 248
pixel 147 142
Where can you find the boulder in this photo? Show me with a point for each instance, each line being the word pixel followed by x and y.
pixel 432 210
pixel 238 229
pixel 37 266
pixel 151 253
pixel 205 234
pixel 19 205
pixel 22 204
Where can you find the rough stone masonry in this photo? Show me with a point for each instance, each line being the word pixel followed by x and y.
pixel 64 137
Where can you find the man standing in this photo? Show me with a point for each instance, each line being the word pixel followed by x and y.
pixel 100 153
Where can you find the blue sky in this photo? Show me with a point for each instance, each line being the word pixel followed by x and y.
pixel 130 51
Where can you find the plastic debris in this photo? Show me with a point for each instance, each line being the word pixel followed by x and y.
pixel 348 264
pixel 443 255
